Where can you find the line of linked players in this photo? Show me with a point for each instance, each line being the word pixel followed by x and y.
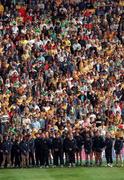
pixel 59 150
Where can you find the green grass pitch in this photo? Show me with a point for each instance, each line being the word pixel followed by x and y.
pixel 63 174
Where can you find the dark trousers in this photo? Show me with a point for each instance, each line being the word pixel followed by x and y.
pixel 66 158
pixel 108 155
pixel 44 160
pixel 58 155
pixel 98 157
pixel 38 158
pixel 1 158
pixel 71 156
pixel 17 160
pixel 31 159
pixel 12 157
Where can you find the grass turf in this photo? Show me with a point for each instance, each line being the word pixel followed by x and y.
pixel 63 174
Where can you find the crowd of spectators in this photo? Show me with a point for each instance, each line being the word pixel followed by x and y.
pixel 61 66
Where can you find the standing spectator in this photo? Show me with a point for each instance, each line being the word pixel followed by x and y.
pixel 24 146
pixel 31 151
pixel 57 147
pixel 98 144
pixel 37 144
pixel 118 148
pixel 6 146
pixel 88 149
pixel 17 152
pixel 108 149
pixel 79 143
pixel 70 147
pixel 45 149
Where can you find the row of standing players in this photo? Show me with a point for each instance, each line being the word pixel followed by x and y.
pixel 57 150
